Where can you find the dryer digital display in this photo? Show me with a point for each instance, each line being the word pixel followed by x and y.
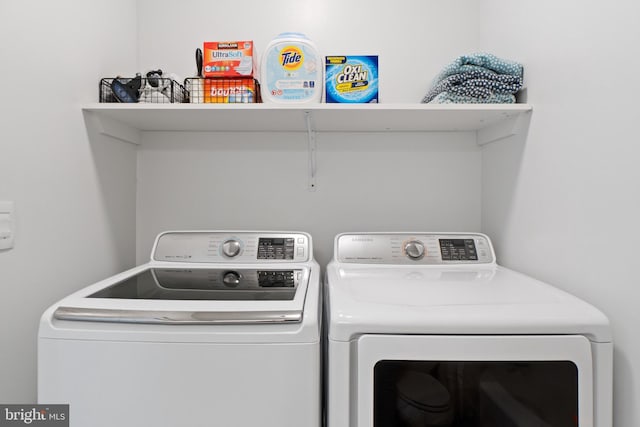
pixel 458 250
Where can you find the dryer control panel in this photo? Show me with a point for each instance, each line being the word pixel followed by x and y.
pixel 414 248
pixel 237 247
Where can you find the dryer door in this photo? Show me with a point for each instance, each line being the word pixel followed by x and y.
pixel 447 381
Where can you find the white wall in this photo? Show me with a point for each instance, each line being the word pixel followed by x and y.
pixel 412 38
pixel 564 204
pixel 75 199
pixel 365 182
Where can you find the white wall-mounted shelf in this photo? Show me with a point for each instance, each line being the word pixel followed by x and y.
pixel 491 121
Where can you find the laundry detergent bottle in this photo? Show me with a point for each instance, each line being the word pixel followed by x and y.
pixel 291 71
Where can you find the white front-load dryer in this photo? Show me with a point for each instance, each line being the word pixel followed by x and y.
pixel 220 328
pixel 426 330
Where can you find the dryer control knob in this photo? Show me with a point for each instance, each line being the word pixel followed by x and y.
pixel 231 248
pixel 414 249
pixel 231 279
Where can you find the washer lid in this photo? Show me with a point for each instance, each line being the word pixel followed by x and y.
pixel 171 295
pixel 209 284
pixel 452 300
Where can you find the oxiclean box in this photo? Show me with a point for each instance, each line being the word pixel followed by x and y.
pixel 351 79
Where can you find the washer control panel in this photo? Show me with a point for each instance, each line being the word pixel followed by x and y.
pixel 414 248
pixel 232 247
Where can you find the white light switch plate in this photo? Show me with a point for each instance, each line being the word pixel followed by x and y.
pixel 7 225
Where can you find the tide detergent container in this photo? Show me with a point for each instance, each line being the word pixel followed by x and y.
pixel 291 71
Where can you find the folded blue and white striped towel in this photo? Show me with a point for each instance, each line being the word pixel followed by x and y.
pixel 452 98
pixel 476 83
pixel 485 61
pixel 477 78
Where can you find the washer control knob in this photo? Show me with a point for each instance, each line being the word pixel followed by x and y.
pixel 231 248
pixel 231 279
pixel 414 249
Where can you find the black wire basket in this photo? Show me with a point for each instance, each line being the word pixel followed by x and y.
pixel 222 90
pixel 157 90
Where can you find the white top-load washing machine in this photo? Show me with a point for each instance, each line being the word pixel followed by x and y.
pixel 220 328
pixel 425 329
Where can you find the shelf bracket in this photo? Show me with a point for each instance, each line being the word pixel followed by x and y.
pixel 508 127
pixel 113 128
pixel 311 152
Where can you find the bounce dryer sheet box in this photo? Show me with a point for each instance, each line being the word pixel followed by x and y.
pixel 229 91
pixel 351 79
pixel 229 59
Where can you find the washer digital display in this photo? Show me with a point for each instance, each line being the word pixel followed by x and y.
pixel 275 248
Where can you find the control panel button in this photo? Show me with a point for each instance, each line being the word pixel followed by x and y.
pixel 414 249
pixel 231 248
